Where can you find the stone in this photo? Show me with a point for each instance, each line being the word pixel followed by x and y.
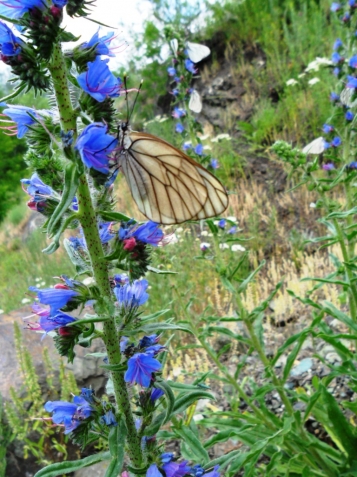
pixel 96 470
pixel 304 366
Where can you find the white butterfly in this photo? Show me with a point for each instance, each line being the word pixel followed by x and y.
pixel 195 51
pixel 346 97
pixel 315 147
pixel 195 103
pixel 168 186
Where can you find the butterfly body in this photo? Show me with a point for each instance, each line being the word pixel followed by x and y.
pixel 168 186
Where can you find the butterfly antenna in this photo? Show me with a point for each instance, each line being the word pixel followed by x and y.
pixel 126 98
pixel 135 100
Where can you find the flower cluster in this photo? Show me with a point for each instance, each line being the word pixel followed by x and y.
pixel 171 468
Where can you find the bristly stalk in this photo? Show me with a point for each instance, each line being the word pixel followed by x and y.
pixel 87 217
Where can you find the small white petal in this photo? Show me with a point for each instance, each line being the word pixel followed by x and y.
pixel 26 300
pixel 237 248
pixel 223 246
pixel 312 205
pixel 313 81
pixel 291 82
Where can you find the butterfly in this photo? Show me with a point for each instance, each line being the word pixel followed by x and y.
pixel 168 186
pixel 195 51
pixel 195 103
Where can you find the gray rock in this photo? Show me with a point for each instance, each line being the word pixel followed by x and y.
pixel 304 366
pixel 97 470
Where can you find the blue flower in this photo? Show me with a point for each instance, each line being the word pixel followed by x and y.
pixel 166 457
pixel 178 112
pixel 36 187
pixel 20 115
pixel 171 71
pixel 88 395
pixel 98 81
pixel 214 163
pixel 190 66
pixel 179 128
pixel 222 223
pixel 148 341
pixel 149 233
pixel 131 295
pixel 156 394
pixel 351 82
pixel 328 167
pixel 124 340
pixel 109 419
pixel 197 471
pixel 9 43
pixel 60 3
pixel 176 469
pixel 175 92
pixel 352 165
pixel 336 71
pixel 70 414
pixel 336 141
pixel 141 366
pixel 337 45
pixel 349 116
pixel 102 43
pixel 353 62
pixel 186 146
pixel 352 3
pixel 199 149
pixel 336 58
pixel 326 144
pixel 49 320
pixel 213 473
pixel 327 128
pixel 334 97
pixel 105 231
pixel 57 298
pixel 17 8
pixel 95 145
pixel 346 17
pixel 232 230
pixel 335 7
pixel 121 279
pixel 153 471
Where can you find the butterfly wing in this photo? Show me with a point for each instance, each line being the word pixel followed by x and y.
pixel 315 147
pixel 196 52
pixel 167 185
pixel 195 103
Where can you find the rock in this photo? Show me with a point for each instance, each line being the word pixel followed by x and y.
pixel 333 357
pixel 87 371
pixel 304 366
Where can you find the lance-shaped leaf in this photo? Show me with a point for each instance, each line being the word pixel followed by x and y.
pixel 67 467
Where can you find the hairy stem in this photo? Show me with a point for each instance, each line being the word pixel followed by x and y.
pixel 88 219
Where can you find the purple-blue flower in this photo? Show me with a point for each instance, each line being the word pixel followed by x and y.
pixel 149 233
pixel 335 7
pixel 109 419
pixel 346 17
pixel 175 92
pixel 179 128
pixel 49 320
pixel 176 469
pixel 148 341
pixel 199 149
pixel 213 473
pixel 190 66
pixel 353 62
pixel 352 3
pixel 328 167
pixel 222 223
pixel 338 43
pixel 98 81
pixel 153 471
pixel 95 145
pixel 326 144
pixel 20 115
pixel 336 58
pixel 186 146
pixel 57 298
pixel 336 141
pixel 101 43
pixel 351 82
pixel 69 414
pixel 141 366
pixel 327 128
pixel 336 71
pixel 197 471
pixel 17 8
pixel 352 165
pixel 214 163
pixel 105 231
pixel 178 112
pixel 171 71
pixel 9 43
pixel 334 97
pixel 131 295
pixel 156 394
pixel 349 116
pixel 60 3
pixel 36 187
pixel 121 279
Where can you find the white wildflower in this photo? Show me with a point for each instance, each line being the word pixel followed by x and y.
pixel 205 246
pixel 220 137
pixel 291 82
pixel 26 300
pixel 315 65
pixel 204 233
pixel 223 246
pixel 313 81
pixel 237 248
pixel 312 205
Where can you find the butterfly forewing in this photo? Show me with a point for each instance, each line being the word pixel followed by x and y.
pixel 168 186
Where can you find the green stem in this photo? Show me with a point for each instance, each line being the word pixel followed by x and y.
pixel 88 219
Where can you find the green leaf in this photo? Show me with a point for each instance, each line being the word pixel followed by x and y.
pixel 153 316
pixel 339 315
pixel 68 467
pixel 325 280
pixel 157 327
pixel 117 449
pixel 170 398
pixel 67 36
pixel 194 444
pixel 115 217
pixel 16 92
pixel 243 286
pixel 182 403
pixel 287 343
pixel 292 356
pixel 342 215
pixel 160 272
pixel 71 181
pixel 341 429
